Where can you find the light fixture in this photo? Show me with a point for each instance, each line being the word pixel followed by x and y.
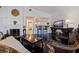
pixel 0 6
pixel 30 9
pixel 68 21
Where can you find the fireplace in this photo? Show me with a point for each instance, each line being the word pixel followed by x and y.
pixel 15 32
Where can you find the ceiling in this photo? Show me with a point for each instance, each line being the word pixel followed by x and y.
pixel 57 9
pixel 60 12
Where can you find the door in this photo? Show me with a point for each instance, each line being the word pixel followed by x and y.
pixel 29 28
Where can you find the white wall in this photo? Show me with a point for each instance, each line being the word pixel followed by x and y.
pixel 6 19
